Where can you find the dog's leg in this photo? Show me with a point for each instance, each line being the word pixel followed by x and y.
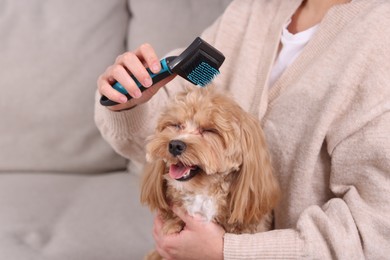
pixel 173 225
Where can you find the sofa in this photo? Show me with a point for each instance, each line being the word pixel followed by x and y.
pixel 64 193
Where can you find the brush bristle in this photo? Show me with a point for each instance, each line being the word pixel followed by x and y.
pixel 203 74
pixel 199 63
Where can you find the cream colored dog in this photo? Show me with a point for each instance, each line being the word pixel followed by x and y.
pixel 209 157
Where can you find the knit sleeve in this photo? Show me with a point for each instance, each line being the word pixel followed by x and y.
pixel 124 130
pixel 360 178
pixel 353 225
pixel 277 244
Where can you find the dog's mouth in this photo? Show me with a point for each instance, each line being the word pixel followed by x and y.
pixel 181 172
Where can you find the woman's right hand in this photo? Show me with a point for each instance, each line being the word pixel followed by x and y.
pixel 131 63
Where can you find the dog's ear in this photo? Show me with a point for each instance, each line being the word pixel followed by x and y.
pixel 153 186
pixel 255 190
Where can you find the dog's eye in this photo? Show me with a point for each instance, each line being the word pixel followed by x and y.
pixel 176 126
pixel 209 131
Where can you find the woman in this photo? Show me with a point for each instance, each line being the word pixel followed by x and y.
pixel 317 74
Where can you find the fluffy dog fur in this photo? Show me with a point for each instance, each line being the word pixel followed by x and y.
pixel 209 157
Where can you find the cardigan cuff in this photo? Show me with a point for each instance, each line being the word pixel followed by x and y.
pixel 276 244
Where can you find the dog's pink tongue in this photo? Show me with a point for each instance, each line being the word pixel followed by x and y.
pixel 177 171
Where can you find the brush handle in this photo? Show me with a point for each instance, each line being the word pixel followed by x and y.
pixel 156 77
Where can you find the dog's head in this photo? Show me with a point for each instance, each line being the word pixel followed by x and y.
pixel 204 137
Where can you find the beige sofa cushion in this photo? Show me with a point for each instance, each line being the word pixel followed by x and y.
pixel 51 55
pixel 73 217
pixel 170 24
pixel 51 52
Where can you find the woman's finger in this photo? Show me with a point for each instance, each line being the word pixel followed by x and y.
pixel 149 56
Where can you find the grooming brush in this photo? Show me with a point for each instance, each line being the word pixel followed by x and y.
pixel 198 64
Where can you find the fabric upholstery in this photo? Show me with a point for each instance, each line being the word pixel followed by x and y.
pixel 170 24
pixel 64 193
pixel 51 55
pixel 72 217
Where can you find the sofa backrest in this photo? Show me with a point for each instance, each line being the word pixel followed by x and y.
pixel 169 24
pixel 51 53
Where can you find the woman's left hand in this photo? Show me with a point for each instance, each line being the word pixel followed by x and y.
pixel 198 240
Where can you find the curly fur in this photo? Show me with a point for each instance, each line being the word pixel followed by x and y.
pixel 234 185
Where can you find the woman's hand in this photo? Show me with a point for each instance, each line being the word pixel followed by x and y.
pixel 198 240
pixel 134 63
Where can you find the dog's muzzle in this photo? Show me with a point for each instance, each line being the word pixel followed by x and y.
pixel 176 147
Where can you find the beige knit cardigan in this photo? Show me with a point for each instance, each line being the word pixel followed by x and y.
pixel 327 123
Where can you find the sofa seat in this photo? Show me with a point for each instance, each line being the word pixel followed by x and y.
pixel 53 216
pixel 65 193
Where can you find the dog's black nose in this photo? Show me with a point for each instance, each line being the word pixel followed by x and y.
pixel 177 147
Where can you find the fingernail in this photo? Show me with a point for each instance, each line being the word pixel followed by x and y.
pixel 155 67
pixel 137 94
pixel 123 99
pixel 148 82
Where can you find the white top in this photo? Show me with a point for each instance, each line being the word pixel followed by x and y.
pixel 292 46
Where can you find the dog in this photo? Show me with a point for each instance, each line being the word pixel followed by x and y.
pixel 209 157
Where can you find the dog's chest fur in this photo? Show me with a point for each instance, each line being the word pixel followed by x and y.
pixel 210 201
pixel 200 204
pixel 211 204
